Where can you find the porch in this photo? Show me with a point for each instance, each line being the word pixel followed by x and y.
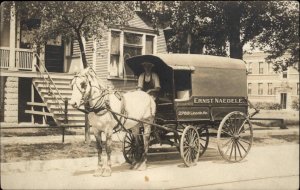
pixel 19 59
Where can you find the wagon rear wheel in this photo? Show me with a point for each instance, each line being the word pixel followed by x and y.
pixel 190 146
pixel 130 150
pixel 204 139
pixel 235 136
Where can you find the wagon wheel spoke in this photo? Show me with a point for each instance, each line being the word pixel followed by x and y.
pixel 231 151
pixel 244 128
pixel 245 141
pixel 230 140
pixel 227 133
pixel 128 151
pixel 228 147
pixel 241 146
pixel 238 149
pixel 228 127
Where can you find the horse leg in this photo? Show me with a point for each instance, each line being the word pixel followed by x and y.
pixel 147 130
pixel 107 168
pixel 135 162
pixel 99 170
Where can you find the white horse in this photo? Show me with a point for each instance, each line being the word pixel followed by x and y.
pixel 88 90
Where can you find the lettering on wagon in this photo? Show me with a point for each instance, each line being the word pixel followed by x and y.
pixel 192 113
pixel 218 100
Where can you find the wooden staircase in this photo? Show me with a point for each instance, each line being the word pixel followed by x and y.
pixel 55 92
pixel 56 105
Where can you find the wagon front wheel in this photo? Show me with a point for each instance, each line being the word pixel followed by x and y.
pixel 235 136
pixel 130 150
pixel 190 146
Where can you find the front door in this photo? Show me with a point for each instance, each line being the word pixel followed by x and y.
pixel 54 58
pixel 283 100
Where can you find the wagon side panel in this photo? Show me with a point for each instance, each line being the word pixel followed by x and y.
pixel 219 82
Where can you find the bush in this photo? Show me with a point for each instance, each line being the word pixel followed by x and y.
pixel 267 106
pixel 295 104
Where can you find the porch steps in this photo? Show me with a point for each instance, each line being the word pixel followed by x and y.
pixel 62 84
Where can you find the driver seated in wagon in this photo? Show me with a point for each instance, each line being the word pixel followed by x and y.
pixel 149 81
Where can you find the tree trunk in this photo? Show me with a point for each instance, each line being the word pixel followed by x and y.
pixel 82 50
pixel 233 12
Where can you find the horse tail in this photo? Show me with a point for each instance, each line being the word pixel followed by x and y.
pixel 152 104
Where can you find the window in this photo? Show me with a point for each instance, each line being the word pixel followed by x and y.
pixel 260 88
pixel 124 45
pixel 284 74
pixel 270 68
pixel 250 68
pixel 115 68
pixel 270 88
pixel 249 88
pixel 261 69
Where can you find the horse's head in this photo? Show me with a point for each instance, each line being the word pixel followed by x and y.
pixel 81 87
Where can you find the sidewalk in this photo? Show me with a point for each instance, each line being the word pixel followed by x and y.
pixel 258 131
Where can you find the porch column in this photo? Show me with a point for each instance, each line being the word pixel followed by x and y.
pixel 12 38
pixel 121 58
pixel 34 58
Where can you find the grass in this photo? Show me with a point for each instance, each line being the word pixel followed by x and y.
pixel 287 122
pixel 50 151
pixel 26 132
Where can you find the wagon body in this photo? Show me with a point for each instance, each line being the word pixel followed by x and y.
pixel 198 92
pixel 196 87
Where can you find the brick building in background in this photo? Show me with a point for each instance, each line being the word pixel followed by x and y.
pixel 265 85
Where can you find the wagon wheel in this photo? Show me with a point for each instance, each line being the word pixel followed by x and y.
pixel 235 136
pixel 204 139
pixel 129 147
pixel 190 146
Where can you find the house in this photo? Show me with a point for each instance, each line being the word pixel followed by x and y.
pixel 265 85
pixel 35 88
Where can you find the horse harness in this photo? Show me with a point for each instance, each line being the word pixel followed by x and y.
pixel 104 105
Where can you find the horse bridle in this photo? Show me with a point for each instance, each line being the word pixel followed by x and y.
pixel 84 101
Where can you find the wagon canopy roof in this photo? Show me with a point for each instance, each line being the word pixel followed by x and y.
pixel 186 62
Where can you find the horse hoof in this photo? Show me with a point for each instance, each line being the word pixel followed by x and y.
pixel 98 172
pixel 142 167
pixel 133 165
pixel 136 166
pixel 106 172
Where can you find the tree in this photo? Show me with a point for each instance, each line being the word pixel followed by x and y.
pixel 281 35
pixel 219 25
pixel 73 19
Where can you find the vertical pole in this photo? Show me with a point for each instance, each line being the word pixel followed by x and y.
pixel 34 58
pixel 12 38
pixel 32 100
pixel 189 40
pixel 44 116
pixel 65 120
pixel 121 58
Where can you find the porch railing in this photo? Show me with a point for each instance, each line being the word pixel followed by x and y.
pixel 53 91
pixel 23 58
pixel 4 57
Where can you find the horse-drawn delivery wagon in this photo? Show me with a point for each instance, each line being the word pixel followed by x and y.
pixel 198 92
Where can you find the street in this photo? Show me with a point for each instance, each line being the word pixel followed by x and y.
pixel 266 167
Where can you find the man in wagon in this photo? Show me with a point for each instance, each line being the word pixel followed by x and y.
pixel 149 81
